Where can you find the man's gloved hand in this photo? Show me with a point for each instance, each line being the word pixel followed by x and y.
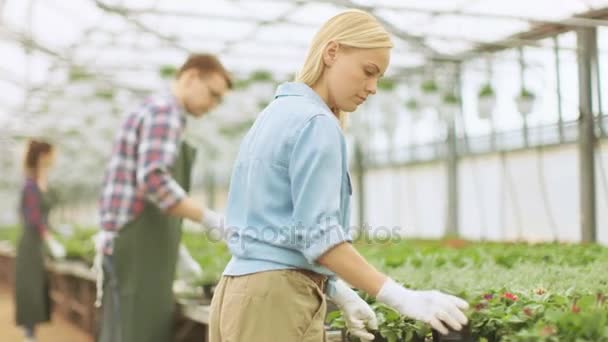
pixel 358 315
pixel 433 307
pixel 187 267
pixel 56 249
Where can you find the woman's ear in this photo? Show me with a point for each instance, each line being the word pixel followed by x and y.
pixel 330 53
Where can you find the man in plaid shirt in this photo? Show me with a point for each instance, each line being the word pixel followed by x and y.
pixel 147 145
pixel 142 202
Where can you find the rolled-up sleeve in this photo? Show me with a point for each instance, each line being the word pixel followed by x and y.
pixel 157 151
pixel 315 171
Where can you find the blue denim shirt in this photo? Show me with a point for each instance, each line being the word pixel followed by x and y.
pixel 289 198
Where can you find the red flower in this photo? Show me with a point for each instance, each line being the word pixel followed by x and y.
pixel 510 296
pixel 575 309
pixel 548 330
pixel 528 312
pixel 488 296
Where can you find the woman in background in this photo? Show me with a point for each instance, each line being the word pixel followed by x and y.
pixel 32 300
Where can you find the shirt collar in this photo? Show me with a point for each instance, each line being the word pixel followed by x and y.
pixel 301 89
pixel 175 103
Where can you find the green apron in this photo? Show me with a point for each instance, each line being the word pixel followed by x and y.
pixel 32 299
pixel 138 303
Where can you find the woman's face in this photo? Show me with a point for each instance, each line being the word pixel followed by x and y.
pixel 46 160
pixel 352 74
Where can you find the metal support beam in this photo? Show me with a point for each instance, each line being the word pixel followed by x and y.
pixel 587 47
pixel 451 222
pixel 598 94
pixel 558 73
pixel 522 76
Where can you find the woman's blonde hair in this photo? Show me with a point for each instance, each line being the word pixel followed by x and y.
pixel 352 28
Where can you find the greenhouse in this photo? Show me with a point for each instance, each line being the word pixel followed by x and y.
pixel 474 163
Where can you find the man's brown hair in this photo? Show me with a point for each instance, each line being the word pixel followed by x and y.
pixel 205 64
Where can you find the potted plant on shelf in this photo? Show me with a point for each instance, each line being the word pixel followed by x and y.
pixel 486 101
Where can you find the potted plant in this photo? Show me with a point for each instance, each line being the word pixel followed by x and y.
pixel 167 71
pixel 262 85
pixel 430 93
pixel 450 105
pixel 486 101
pixel 525 101
pixel 413 106
pixel 386 84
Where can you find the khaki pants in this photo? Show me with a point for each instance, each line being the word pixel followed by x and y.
pixel 273 306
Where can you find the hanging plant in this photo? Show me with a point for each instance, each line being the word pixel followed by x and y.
pixel 525 101
pixel 241 84
pixel 429 86
pixel 430 94
pixel 261 76
pixel 486 101
pixel 412 105
pixel 450 104
pixel 261 85
pixel 79 74
pixel 167 71
pixel 451 99
pixel 106 94
pixel 386 84
pixel 486 91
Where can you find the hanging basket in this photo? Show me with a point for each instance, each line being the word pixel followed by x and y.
pixel 449 107
pixel 486 101
pixel 430 95
pixel 485 106
pixel 413 108
pixel 525 105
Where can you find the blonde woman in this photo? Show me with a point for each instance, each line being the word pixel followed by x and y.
pixel 289 206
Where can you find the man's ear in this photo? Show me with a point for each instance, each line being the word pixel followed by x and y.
pixel 330 53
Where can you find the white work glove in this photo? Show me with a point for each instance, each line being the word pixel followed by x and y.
pixel 213 223
pixel 55 248
pixel 357 314
pixel 433 307
pixel 187 267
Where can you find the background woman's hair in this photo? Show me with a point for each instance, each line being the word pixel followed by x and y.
pixel 35 149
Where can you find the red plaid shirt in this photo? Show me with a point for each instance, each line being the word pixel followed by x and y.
pixel 31 207
pixel 145 148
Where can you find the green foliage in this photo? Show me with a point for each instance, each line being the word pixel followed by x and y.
pixel 451 98
pixel 167 71
pixel 412 105
pixel 10 234
pixel 386 84
pixel 106 94
pixel 517 292
pixel 79 74
pixel 261 76
pixel 429 86
pixel 211 254
pixel 486 90
pixel 526 94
